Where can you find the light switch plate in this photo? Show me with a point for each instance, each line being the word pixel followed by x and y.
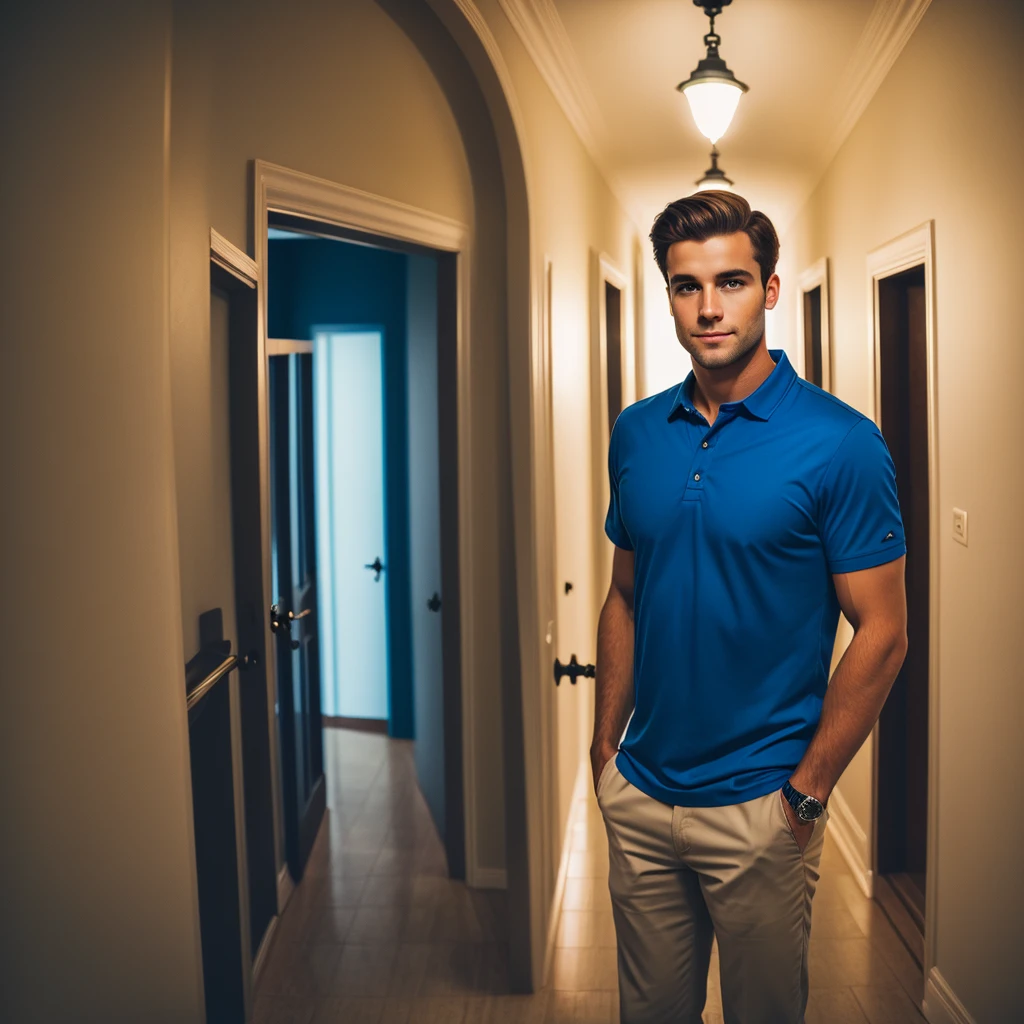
pixel 960 526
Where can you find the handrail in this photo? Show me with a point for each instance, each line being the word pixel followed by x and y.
pixel 197 693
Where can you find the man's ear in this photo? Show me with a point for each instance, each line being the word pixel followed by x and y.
pixel 771 291
pixel 668 292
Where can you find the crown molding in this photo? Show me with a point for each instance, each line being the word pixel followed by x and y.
pixel 478 23
pixel 888 30
pixel 543 34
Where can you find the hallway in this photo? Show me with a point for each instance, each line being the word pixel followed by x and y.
pixel 527 146
pixel 376 934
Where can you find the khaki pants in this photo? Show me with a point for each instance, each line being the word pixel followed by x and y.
pixel 680 876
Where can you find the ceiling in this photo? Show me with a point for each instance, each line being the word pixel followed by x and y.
pixel 811 65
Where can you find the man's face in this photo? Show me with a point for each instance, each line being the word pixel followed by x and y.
pixel 714 290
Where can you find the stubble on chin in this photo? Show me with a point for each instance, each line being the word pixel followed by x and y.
pixel 720 358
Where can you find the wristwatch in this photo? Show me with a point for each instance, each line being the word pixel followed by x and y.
pixel 808 808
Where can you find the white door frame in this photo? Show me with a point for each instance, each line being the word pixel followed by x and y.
pixel 815 276
pixel 283 191
pixel 911 249
pixel 604 270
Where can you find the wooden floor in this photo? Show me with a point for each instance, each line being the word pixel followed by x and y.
pixel 376 934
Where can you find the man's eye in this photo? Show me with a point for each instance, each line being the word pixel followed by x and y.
pixel 735 281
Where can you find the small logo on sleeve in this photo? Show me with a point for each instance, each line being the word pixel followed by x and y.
pixel 888 536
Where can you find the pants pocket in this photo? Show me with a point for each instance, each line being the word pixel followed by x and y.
pixel 605 773
pixel 781 800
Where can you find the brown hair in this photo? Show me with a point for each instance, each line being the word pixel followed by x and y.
pixel 708 214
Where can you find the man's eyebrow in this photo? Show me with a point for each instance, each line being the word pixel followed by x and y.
pixel 723 275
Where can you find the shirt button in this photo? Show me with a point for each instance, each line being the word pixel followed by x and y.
pixel 704 445
pixel 696 476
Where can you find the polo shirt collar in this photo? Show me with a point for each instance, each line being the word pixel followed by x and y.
pixel 760 403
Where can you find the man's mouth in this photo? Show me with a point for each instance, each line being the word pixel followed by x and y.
pixel 714 337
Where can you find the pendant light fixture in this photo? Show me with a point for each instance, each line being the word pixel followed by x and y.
pixel 712 90
pixel 714 176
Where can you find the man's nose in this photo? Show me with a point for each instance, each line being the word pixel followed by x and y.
pixel 710 308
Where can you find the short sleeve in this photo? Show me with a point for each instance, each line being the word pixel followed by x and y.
pixel 859 512
pixel 613 525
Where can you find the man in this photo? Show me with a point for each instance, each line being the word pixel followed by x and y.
pixel 747 508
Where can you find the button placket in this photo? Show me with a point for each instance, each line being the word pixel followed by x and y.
pixel 702 457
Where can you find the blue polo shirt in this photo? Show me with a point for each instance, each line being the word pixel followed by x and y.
pixel 736 531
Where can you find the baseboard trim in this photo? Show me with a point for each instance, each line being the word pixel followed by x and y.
pixel 850 838
pixel 263 952
pixel 578 806
pixel 285 888
pixel 488 878
pixel 896 910
pixel 941 1005
pixel 359 724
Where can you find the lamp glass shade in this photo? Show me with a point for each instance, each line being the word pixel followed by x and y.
pixel 713 105
pixel 722 184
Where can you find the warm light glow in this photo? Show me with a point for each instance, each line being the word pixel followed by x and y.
pixel 713 105
pixel 722 184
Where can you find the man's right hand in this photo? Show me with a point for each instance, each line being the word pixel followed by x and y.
pixel 599 757
pixel 613 687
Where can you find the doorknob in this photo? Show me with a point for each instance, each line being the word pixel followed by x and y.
pixel 572 670
pixel 377 566
pixel 435 602
pixel 275 618
pixel 277 622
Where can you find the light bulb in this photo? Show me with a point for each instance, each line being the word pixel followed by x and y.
pixel 713 105
pixel 723 185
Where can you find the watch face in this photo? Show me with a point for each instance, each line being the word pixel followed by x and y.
pixel 810 809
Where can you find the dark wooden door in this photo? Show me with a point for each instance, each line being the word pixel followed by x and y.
pixel 250 603
pixel 812 336
pixel 294 616
pixel 902 797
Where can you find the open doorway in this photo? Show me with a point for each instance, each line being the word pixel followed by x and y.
pixel 613 324
pixel 356 332
pixel 613 387
pixel 813 324
pixel 904 756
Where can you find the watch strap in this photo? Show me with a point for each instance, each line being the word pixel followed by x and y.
pixel 795 798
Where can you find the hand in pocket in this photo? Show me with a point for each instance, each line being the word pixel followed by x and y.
pixel 800 830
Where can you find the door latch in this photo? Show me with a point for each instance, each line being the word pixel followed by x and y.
pixel 573 670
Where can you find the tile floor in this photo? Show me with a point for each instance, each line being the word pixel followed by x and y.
pixel 377 934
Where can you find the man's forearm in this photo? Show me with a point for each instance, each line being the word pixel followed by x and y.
pixel 851 707
pixel 614 684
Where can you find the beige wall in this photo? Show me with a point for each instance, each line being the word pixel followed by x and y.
pixel 113 386
pixel 574 217
pixel 99 906
pixel 294 90
pixel 936 143
pixel 343 92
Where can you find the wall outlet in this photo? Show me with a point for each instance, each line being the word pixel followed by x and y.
pixel 960 526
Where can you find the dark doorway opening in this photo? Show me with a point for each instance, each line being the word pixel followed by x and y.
pixel 326 285
pixel 812 336
pixel 902 766
pixel 613 350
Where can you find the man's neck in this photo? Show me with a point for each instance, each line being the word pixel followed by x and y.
pixel 713 388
